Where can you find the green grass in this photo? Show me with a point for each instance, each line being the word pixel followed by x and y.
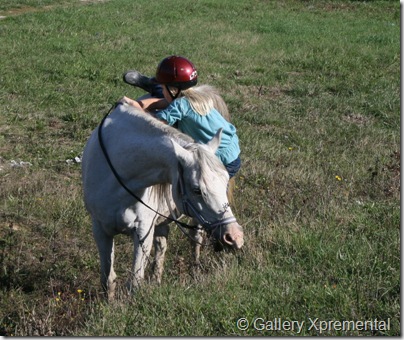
pixel 314 91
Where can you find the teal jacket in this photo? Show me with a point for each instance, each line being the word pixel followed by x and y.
pixel 203 128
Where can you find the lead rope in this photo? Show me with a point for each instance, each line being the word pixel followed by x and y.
pixel 180 224
pixel 102 145
pixel 119 179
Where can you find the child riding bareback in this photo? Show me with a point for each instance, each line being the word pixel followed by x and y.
pixel 197 111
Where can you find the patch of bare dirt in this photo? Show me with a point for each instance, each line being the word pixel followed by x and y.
pixel 357 119
pixel 394 168
pixel 29 9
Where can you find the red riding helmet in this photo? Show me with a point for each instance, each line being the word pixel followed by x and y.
pixel 176 71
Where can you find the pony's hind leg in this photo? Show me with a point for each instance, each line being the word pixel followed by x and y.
pixel 105 245
pixel 160 248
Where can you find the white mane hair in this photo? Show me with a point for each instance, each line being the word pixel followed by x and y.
pixel 207 160
pixel 208 163
pixel 158 126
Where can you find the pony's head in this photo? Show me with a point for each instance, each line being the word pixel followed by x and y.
pixel 201 191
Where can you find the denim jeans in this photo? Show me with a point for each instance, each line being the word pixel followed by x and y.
pixel 157 91
pixel 233 167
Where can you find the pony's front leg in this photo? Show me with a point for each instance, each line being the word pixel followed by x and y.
pixel 160 248
pixel 105 245
pixel 196 240
pixel 143 240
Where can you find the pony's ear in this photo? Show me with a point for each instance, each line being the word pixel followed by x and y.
pixel 183 155
pixel 214 143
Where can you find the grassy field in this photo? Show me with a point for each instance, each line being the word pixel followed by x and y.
pixel 314 90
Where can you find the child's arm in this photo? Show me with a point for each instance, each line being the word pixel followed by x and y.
pixel 153 103
pixel 150 102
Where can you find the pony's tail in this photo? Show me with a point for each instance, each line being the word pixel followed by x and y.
pixel 230 190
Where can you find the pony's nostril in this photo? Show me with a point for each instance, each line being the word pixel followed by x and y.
pixel 228 239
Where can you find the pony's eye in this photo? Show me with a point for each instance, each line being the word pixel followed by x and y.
pixel 197 191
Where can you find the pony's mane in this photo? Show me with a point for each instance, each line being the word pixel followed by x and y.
pixel 207 159
pixel 208 162
pixel 178 136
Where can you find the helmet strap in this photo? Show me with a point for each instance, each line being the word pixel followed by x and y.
pixel 173 97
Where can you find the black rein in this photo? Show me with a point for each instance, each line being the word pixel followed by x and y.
pixel 119 179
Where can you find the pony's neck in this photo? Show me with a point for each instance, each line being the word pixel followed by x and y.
pixel 154 140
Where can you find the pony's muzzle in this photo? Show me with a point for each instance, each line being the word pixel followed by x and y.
pixel 230 236
pixel 233 241
pixel 234 237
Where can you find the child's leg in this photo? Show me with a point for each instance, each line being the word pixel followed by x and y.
pixel 137 79
pixel 157 91
pixel 233 167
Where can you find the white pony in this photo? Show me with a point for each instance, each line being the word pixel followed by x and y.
pixel 138 168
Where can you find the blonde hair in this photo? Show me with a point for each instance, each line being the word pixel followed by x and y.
pixel 204 98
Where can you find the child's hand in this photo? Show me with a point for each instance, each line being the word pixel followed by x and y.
pixel 126 100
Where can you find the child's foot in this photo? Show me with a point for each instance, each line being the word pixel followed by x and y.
pixel 137 79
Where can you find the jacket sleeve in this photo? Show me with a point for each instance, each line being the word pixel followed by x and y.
pixel 173 113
